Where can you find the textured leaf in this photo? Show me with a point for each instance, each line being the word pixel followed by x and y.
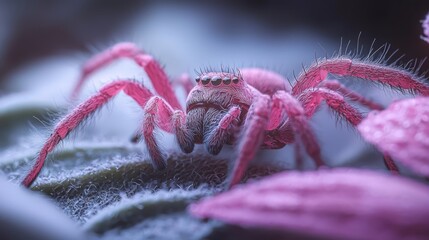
pixel 341 203
pixel 112 191
pixel 402 130
pixel 27 215
pixel 148 205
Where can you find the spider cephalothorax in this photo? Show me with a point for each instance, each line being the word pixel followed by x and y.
pixel 209 101
pixel 219 103
pixel 251 108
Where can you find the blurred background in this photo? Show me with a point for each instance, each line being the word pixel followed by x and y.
pixel 33 30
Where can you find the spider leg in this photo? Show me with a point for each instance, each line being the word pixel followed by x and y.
pixel 80 113
pixel 217 138
pixel 312 98
pixel 158 112
pixel 251 137
pixel 298 155
pixel 350 94
pixel 395 78
pixel 156 74
pixel 184 82
pixel 283 101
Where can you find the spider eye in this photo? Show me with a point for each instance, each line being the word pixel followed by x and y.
pixel 197 79
pixel 235 79
pixel 226 80
pixel 216 80
pixel 205 80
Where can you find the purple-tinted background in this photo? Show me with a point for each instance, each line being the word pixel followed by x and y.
pixel 35 29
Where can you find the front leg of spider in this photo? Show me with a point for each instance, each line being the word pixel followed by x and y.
pixel 158 112
pixel 251 138
pixel 71 121
pixel 285 102
pixel 156 74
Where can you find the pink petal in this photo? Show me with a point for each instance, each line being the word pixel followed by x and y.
pixel 402 130
pixel 341 203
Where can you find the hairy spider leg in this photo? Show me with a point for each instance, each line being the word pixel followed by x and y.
pixel 137 92
pixel 158 112
pixel 390 164
pixel 299 159
pixel 252 134
pixel 185 82
pixel 156 74
pixel 254 127
pixel 395 78
pixel 350 94
pixel 312 98
pixel 298 120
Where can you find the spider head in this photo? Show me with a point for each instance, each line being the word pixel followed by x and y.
pixel 219 89
pixel 212 97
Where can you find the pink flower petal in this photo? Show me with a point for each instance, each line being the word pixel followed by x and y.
pixel 402 130
pixel 340 203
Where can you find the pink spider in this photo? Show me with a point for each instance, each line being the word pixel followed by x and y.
pixel 257 102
